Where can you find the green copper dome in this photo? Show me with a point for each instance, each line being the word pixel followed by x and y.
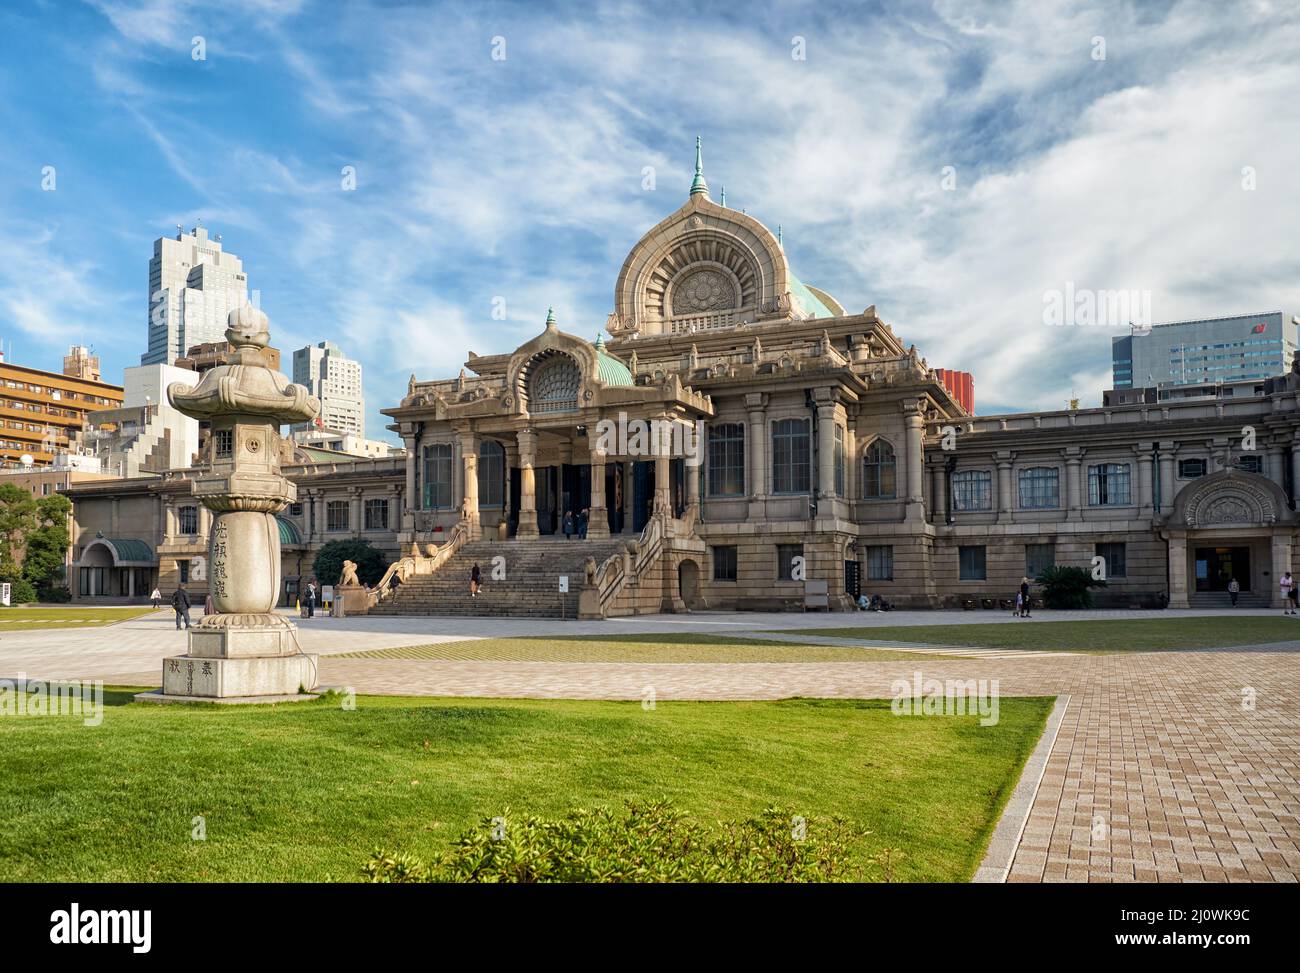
pixel 609 369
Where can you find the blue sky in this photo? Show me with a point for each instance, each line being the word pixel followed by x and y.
pixel 521 179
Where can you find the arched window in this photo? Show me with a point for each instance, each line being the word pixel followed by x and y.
pixel 554 385
pixel 791 456
pixel 878 471
pixel 972 490
pixel 491 473
pixel 726 459
pixel 438 478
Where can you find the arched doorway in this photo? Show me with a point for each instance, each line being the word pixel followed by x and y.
pixel 688 583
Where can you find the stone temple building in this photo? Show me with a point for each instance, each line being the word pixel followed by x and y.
pixel 742 441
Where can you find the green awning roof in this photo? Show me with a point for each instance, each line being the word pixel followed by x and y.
pixel 289 533
pixel 127 550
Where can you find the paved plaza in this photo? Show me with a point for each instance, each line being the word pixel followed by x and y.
pixel 1169 766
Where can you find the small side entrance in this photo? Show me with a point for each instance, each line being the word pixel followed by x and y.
pixel 1216 566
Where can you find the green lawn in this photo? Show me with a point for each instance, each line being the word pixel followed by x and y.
pixel 1103 635
pixel 304 792
pixel 20 619
pixel 691 647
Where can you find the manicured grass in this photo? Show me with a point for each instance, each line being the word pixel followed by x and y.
pixel 304 792
pixel 1103 635
pixel 634 648
pixel 21 619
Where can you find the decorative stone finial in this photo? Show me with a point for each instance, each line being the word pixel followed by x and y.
pixel 247 327
pixel 550 318
pixel 698 185
pixel 723 196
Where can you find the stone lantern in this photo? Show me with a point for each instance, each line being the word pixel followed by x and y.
pixel 245 652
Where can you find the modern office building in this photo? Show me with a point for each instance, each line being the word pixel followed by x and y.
pixel 335 379
pixel 193 286
pixel 1241 348
pixel 346 442
pixel 40 412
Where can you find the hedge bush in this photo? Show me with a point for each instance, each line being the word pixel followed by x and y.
pixel 646 842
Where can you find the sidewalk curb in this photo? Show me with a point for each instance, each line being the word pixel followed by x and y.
pixel 1006 836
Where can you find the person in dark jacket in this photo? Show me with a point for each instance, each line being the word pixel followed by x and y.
pixel 1024 596
pixel 181 605
pixel 568 525
pixel 311 599
pixel 583 517
pixel 475 578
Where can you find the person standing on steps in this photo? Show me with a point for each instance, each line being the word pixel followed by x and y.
pixel 568 525
pixel 475 576
pixel 583 517
pixel 1287 585
pixel 1234 589
pixel 181 606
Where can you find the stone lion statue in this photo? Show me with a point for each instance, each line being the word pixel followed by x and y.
pixel 589 566
pixel 349 576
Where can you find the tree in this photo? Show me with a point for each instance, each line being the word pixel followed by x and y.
pixel 18 519
pixel 1067 587
pixel 47 545
pixel 329 561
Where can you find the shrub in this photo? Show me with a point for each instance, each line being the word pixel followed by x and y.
pixel 647 842
pixel 59 595
pixel 1068 587
pixel 329 561
pixel 21 591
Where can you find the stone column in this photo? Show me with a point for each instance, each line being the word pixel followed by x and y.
pixel 1281 565
pixel 527 488
pixel 825 442
pixel 469 482
pixel 756 406
pixel 1073 480
pixel 1005 511
pixel 511 462
pixel 1178 572
pixel 915 459
pixel 1295 470
pixel 169 522
pixel 940 492
pixel 629 495
pixel 1167 481
pixel 1145 501
pixel 356 515
pixel 407 519
pixel 693 474
pixel 598 516
pixel 1273 466
pixel 663 487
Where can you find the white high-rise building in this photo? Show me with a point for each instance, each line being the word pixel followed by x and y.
pixel 336 380
pixel 193 287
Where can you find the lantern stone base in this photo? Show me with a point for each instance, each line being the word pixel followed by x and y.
pixel 238 664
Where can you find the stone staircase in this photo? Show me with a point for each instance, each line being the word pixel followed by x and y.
pixel 530 588
pixel 1220 599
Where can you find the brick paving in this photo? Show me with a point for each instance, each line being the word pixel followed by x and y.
pixel 1159 772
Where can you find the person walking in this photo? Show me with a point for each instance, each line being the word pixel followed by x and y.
pixel 157 599
pixel 1288 594
pixel 568 525
pixel 181 605
pixel 311 598
pixel 475 578
pixel 1234 589
pixel 1024 596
